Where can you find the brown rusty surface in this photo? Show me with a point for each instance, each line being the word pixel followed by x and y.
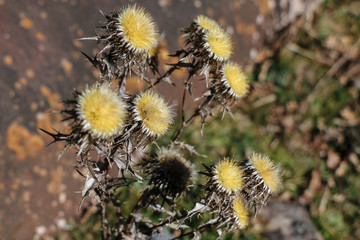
pixel 40 64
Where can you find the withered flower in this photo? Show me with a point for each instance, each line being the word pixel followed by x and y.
pixel 170 174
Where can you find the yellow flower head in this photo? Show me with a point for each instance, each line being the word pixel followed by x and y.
pixel 138 28
pixel 206 23
pixel 229 176
pixel 153 112
pixel 218 43
pixel 101 110
pixel 268 171
pixel 240 213
pixel 235 79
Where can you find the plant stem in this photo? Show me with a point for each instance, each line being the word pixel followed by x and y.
pixel 187 122
pixel 104 225
pixel 200 229
pixel 104 222
pixel 170 220
pixel 137 206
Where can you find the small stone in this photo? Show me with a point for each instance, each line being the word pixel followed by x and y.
pixel 333 160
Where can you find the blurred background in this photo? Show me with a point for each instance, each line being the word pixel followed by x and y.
pixel 302 57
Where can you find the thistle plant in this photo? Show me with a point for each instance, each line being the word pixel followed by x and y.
pixel 110 129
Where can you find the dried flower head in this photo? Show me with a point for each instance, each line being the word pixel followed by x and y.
pixel 137 28
pixel 229 84
pixel 152 113
pixel 226 182
pixel 228 176
pixel 170 173
pixel 263 179
pixel 239 214
pixel 101 111
pixel 267 171
pixel 127 37
pixel 206 23
pixel 233 216
pixel 98 116
pixel 218 44
pixel 207 44
pixel 195 33
pixel 234 79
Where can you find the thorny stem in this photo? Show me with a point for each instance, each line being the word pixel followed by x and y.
pixel 151 85
pixel 104 225
pixel 183 102
pixel 158 80
pixel 186 82
pixel 200 229
pixel 166 222
pixel 93 175
pixel 135 209
pixel 101 192
pixel 182 113
pixel 139 204
pixel 197 112
pixel 105 233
